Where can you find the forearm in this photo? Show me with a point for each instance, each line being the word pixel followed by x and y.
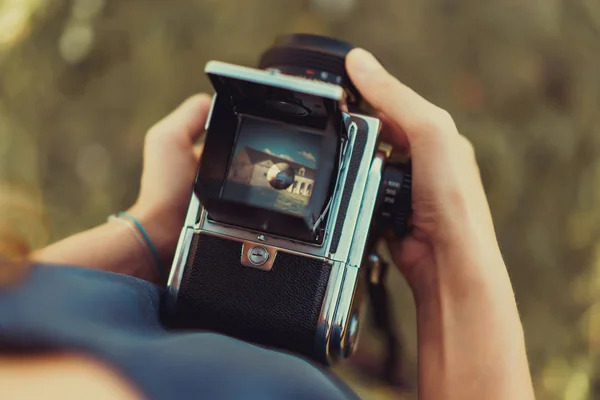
pixel 471 344
pixel 111 247
pixel 61 376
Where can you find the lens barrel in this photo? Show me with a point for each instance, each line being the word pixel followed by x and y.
pixel 312 57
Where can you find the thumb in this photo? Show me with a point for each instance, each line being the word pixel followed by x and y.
pixel 417 118
pixel 187 121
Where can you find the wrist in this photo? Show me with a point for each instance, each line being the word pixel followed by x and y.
pixel 469 298
pixel 468 263
pixel 468 281
pixel 161 229
pixel 140 263
pixel 477 334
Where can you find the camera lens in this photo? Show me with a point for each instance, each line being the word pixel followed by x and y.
pixel 394 199
pixel 313 57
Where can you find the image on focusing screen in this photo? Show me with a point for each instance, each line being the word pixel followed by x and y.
pixel 273 167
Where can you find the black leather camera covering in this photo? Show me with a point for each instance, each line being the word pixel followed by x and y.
pixel 278 308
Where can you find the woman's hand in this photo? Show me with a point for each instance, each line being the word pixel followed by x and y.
pixel 470 337
pixel 453 235
pixel 170 163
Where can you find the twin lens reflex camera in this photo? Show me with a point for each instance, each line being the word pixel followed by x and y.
pixel 291 193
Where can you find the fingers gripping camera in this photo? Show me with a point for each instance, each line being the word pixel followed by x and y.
pixel 290 192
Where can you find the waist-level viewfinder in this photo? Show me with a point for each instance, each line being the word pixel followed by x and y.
pixel 271 152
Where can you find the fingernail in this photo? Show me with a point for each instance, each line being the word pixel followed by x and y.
pixel 364 62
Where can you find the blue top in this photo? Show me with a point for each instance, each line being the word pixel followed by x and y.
pixel 115 318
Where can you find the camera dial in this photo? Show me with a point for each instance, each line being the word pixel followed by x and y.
pixel 394 199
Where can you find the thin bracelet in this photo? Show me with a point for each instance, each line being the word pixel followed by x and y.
pixel 159 265
pixel 136 233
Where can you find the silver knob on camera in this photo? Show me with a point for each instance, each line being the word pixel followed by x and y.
pixel 352 335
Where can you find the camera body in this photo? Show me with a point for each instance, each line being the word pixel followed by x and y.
pixel 290 194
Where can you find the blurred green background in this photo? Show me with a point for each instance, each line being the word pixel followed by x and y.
pixel 82 80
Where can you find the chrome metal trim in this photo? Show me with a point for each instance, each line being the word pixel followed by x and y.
pixel 332 294
pixel 365 215
pixel 258 242
pixel 193 210
pixel 343 310
pixel 181 255
pixel 354 206
pixel 339 346
pixel 226 230
pixel 269 78
pixel 240 234
pixel 339 297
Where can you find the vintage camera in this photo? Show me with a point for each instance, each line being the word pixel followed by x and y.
pixel 292 190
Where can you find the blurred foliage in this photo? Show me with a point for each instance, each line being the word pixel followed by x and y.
pixel 82 80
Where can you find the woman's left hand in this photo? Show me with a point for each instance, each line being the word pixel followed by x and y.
pixel 170 163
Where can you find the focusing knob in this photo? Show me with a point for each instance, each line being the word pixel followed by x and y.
pixel 394 201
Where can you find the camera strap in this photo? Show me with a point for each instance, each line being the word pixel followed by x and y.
pixel 383 320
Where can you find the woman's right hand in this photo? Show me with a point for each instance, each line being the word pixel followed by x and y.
pixel 470 336
pixel 452 234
